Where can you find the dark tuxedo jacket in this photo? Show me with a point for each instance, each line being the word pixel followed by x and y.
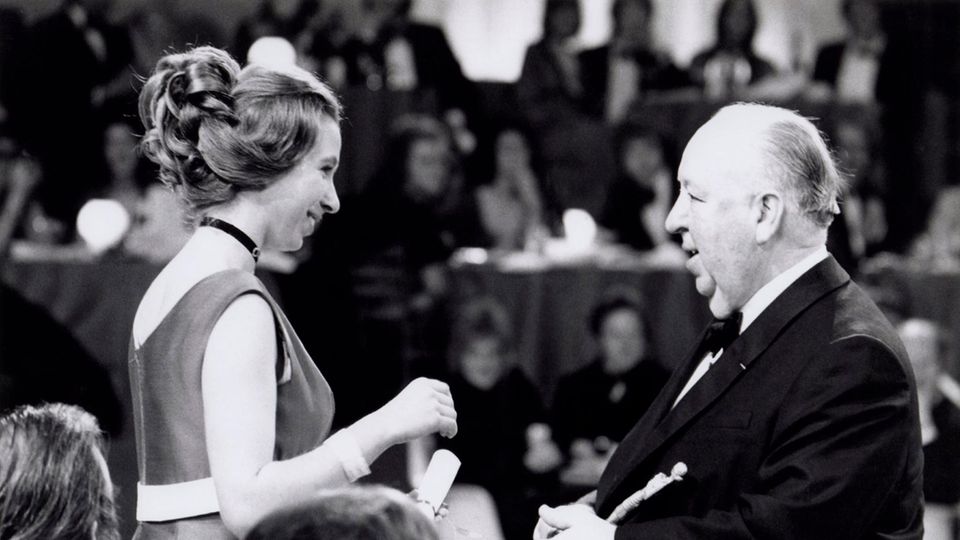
pixel 806 428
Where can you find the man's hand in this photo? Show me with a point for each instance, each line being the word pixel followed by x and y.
pixel 572 522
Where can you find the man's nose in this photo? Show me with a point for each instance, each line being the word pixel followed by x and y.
pixel 676 219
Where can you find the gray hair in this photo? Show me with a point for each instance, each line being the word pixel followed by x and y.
pixel 797 156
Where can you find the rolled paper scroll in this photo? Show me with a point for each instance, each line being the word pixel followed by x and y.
pixel 658 482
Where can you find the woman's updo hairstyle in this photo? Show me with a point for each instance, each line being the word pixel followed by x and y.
pixel 216 130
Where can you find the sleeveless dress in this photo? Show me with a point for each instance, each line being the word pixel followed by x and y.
pixel 175 493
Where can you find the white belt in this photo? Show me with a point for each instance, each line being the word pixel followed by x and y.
pixel 176 501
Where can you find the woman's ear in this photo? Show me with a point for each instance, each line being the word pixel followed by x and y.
pixel 768 212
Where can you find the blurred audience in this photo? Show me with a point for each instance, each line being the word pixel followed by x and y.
pixel 19 175
pixel 575 147
pixel 354 513
pixel 397 237
pixel 849 70
pixel 596 405
pixel 731 64
pixel 939 426
pixel 629 67
pixel 287 19
pixel 390 51
pixel 158 27
pixel 511 206
pixel 643 193
pixel 78 59
pixel 861 228
pixel 550 88
pixel 160 227
pixel 128 172
pixel 503 442
pixel 56 485
pixel 938 247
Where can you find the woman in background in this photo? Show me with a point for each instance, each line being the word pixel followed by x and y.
pixel 232 417
pixel 511 205
pixel 731 64
pixel 505 445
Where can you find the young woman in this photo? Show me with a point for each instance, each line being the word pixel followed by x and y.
pixel 232 416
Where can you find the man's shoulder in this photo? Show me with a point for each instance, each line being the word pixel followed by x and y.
pixel 858 316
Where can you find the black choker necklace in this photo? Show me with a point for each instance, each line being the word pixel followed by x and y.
pixel 207 221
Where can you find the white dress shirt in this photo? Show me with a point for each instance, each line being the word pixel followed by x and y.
pixel 754 307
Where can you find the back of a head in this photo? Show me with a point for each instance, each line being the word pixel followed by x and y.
pixel 794 154
pixel 355 513
pixel 216 130
pixel 53 480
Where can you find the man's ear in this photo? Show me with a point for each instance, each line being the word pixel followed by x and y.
pixel 768 212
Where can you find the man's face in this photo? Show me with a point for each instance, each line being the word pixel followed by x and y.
pixel 713 215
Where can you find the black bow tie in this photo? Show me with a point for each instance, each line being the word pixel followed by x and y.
pixel 722 332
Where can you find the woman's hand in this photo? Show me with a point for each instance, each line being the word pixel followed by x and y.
pixel 424 407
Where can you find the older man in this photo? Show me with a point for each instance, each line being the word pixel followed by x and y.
pixel 798 419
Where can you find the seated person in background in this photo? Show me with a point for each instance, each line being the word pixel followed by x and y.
pixel 55 481
pixel 398 235
pixel 641 196
pixel 354 513
pixel 503 443
pixel 938 248
pixel 392 52
pixel 595 406
pixel 849 70
pixel 19 175
pixel 731 65
pixel 939 428
pixel 511 206
pixel 128 172
pixel 861 228
pixel 628 68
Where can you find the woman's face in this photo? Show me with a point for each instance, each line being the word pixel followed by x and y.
pixel 621 340
pixel 481 362
pixel 297 201
pixel 428 169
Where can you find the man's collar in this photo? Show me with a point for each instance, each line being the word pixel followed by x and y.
pixel 769 292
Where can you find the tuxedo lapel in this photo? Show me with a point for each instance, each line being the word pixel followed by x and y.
pixel 655 429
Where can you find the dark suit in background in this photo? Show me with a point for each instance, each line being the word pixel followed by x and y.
pixel 805 428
